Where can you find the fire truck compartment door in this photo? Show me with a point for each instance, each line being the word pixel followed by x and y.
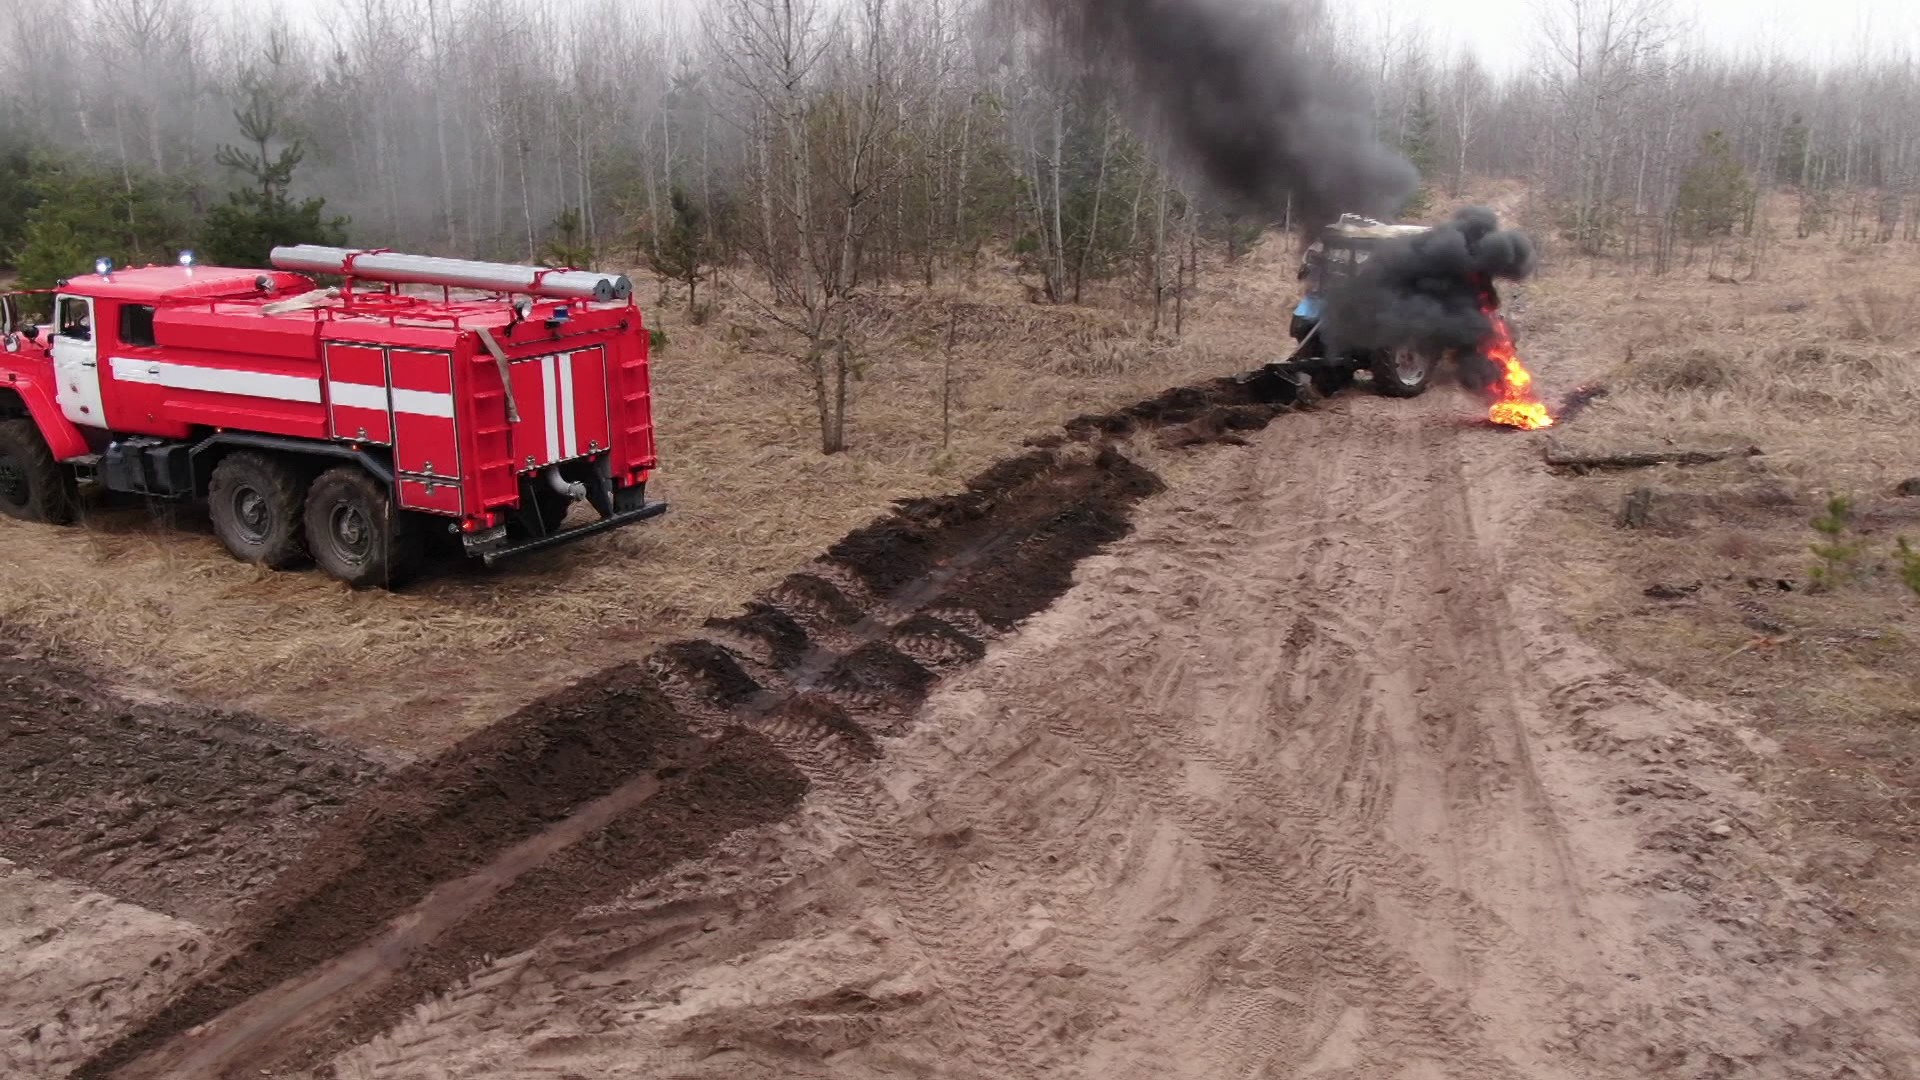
pixel 358 403
pixel 563 407
pixel 76 362
pixel 425 439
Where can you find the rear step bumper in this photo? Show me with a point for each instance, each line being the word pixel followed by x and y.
pixel 493 555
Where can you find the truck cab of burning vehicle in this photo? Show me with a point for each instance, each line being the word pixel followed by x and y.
pixel 487 415
pixel 1338 255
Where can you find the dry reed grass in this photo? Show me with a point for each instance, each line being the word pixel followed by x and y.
pixel 160 606
pixel 1817 361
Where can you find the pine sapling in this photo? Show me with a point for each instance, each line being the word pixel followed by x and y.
pixel 1839 556
pixel 1909 557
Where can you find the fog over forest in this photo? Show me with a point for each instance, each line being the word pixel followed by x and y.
pixel 895 139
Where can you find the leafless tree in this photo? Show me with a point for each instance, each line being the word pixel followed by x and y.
pixel 844 146
pixel 1594 56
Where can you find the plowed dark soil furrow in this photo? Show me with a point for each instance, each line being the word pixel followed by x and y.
pixel 736 782
pixel 179 809
pixel 428 823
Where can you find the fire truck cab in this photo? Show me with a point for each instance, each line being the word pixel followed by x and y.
pixel 336 425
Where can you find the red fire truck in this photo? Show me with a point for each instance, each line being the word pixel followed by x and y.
pixel 342 424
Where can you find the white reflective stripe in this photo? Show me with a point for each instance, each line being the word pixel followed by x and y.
pixel 258 384
pixel 549 377
pixel 410 402
pixel 423 403
pixel 353 395
pixel 569 438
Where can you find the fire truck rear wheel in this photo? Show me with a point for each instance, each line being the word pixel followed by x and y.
pixel 1403 372
pixel 33 486
pixel 255 502
pixel 356 533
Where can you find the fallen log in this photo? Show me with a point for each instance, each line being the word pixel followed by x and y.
pixel 1561 458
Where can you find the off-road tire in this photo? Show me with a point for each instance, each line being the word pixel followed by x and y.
pixel 1403 372
pixel 256 503
pixel 33 486
pixel 355 532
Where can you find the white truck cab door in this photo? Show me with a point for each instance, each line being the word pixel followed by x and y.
pixel 76 361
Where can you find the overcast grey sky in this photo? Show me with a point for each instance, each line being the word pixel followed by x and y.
pixel 1503 32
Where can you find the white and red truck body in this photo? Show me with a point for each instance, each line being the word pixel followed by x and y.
pixel 461 406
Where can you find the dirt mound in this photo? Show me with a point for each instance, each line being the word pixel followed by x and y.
pixel 182 810
pixel 765 622
pixel 1219 406
pixel 726 682
pixel 428 823
pixel 739 780
pixel 1056 506
pixel 820 598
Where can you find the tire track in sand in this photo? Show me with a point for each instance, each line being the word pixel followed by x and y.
pixel 1427 1020
pixel 1338 611
pixel 972 981
pixel 1292 752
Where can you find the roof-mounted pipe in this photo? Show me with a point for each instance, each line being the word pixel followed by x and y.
pixel 401 269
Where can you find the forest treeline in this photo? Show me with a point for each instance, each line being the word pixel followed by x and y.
pixel 812 146
pixel 499 127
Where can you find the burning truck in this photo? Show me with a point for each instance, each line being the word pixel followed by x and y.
pixel 1333 262
pixel 1399 301
pixel 343 426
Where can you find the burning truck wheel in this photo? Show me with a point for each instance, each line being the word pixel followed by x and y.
pixel 343 424
pixel 1404 371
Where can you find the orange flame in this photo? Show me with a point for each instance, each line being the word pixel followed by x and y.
pixel 1517 406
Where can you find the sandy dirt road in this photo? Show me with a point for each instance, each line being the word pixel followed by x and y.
pixel 76 966
pixel 1246 745
pixel 1298 779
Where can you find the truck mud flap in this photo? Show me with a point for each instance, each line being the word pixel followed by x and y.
pixel 493 555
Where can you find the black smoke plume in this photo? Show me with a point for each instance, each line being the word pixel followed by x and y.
pixel 1429 291
pixel 1238 88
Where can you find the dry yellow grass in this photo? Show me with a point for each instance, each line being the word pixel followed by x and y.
pixel 161 607
pixel 1814 358
pixel 1816 361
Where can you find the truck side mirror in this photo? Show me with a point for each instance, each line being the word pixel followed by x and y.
pixel 10 343
pixel 32 332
